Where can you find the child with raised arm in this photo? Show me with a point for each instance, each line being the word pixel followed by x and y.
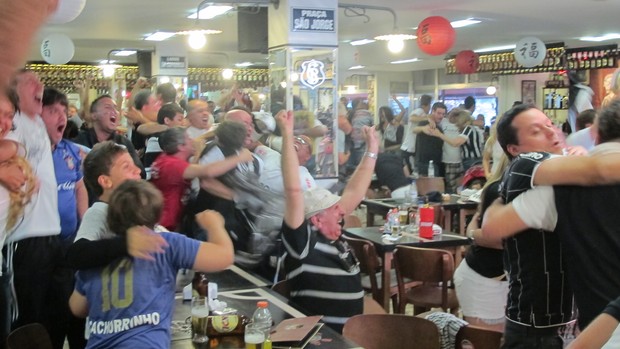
pixel 130 301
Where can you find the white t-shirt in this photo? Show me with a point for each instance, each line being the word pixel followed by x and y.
pixel 271 176
pixel 95 224
pixel 41 214
pixel 409 137
pixel 583 138
pixel 194 132
pixel 451 154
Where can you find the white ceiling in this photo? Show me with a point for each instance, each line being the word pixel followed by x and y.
pixel 114 24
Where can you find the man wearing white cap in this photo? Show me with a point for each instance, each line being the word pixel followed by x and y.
pixel 323 273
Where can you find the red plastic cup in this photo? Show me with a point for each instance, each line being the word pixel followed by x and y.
pixel 427 217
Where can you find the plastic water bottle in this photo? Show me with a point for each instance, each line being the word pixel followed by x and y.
pixel 412 195
pixel 262 316
pixel 431 169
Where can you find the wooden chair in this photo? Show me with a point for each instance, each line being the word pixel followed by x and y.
pixel 394 331
pixel 370 266
pixel 428 184
pixel 478 338
pixel 434 268
pixel 31 336
pixel 352 221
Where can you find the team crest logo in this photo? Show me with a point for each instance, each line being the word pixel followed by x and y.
pixel 69 161
pixel 313 73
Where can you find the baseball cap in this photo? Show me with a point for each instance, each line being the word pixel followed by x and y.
pixel 317 200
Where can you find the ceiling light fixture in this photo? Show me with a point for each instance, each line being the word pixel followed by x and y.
pixel 492 89
pixel 210 12
pixel 396 40
pixel 159 36
pixel 496 48
pixel 464 23
pixel 362 42
pixel 244 64
pixel 406 61
pixel 125 53
pixel 356 67
pixel 604 37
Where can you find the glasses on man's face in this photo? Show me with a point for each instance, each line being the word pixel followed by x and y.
pixel 348 261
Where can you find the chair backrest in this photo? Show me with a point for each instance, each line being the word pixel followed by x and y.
pixel 352 221
pixel 428 184
pixel 31 336
pixel 478 338
pixel 424 264
pixel 365 252
pixel 283 288
pixel 394 331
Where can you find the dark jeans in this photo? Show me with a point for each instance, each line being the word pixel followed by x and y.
pixel 526 337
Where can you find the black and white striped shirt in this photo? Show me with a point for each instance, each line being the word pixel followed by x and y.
pixel 473 148
pixel 539 294
pixel 324 280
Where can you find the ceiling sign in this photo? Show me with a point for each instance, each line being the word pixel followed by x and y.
pixel 313 20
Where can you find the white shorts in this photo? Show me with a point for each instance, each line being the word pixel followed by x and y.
pixel 479 296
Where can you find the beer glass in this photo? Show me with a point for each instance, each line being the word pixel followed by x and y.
pixel 254 336
pixel 403 215
pixel 200 318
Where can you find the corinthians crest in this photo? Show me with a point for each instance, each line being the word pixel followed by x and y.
pixel 312 73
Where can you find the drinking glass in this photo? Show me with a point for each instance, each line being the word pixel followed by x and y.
pixel 200 318
pixel 254 336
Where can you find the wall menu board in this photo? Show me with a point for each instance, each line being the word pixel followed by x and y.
pixel 558 58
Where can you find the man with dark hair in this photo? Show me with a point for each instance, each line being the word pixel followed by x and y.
pixel 429 147
pixel 166 93
pixel 589 238
pixel 105 118
pixel 409 140
pixel 74 201
pixel 147 107
pixel 469 104
pixel 586 134
pixel 539 298
pixel 169 115
pixel 171 172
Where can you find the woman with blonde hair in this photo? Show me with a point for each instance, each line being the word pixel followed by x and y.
pixel 493 152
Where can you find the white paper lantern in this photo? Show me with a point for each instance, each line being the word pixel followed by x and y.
pixel 67 11
pixel 57 49
pixel 530 51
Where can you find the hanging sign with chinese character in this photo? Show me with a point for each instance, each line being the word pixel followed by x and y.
pixel 312 73
pixel 530 51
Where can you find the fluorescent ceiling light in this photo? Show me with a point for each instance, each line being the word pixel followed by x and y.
pixel 406 61
pixel 496 48
pixel 211 12
pixel 159 36
pixel 199 31
pixel 244 64
pixel 105 61
pixel 464 23
pixel 125 53
pixel 355 67
pixel 362 42
pixel 610 36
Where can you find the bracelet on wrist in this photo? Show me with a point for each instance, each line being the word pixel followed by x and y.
pixel 370 155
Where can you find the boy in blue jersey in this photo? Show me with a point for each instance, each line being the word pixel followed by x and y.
pixel 130 301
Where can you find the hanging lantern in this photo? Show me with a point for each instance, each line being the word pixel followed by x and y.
pixel 67 11
pixel 57 49
pixel 530 51
pixel 467 62
pixel 435 35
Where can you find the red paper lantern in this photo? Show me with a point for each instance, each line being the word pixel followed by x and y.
pixel 467 62
pixel 435 35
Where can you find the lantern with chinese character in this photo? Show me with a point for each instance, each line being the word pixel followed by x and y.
pixel 467 62
pixel 435 35
pixel 57 49
pixel 530 52
pixel 67 11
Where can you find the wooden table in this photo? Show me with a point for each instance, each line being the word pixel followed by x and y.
pixel 382 206
pixel 244 300
pixel 386 248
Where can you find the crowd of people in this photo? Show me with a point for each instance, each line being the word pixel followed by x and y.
pixel 545 233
